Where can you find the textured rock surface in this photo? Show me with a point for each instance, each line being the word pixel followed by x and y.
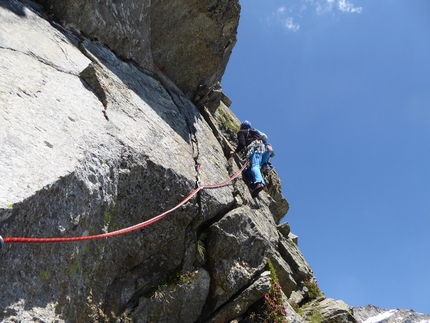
pixel 76 166
pixel 329 310
pixel 335 311
pixel 189 41
pixel 239 304
pixel 194 44
pixel 185 301
pixel 124 26
pixel 238 245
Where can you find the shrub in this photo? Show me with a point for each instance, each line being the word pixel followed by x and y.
pixel 272 309
pixel 314 290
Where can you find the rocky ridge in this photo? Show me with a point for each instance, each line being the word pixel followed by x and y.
pixel 102 129
pixel 373 314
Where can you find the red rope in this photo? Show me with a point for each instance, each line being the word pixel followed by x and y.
pixel 121 231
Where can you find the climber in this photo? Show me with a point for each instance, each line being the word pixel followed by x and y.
pixel 253 141
pixel 266 165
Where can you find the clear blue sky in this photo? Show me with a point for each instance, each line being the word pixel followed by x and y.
pixel 342 89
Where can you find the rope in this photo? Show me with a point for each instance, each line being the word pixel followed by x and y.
pixel 125 230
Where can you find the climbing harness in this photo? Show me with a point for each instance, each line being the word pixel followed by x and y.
pixel 256 146
pixel 125 230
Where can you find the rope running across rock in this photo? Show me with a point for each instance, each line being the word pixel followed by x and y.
pixel 141 225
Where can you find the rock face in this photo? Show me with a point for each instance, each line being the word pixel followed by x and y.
pixel 91 143
pixel 189 41
pixel 193 45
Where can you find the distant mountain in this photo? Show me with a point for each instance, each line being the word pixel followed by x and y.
pixel 373 314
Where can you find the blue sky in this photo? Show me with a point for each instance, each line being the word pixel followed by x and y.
pixel 342 89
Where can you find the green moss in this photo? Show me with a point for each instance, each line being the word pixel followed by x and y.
pixel 43 276
pixel 73 269
pixel 109 217
pixel 226 120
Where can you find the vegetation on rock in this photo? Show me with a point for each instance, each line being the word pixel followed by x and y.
pixel 273 309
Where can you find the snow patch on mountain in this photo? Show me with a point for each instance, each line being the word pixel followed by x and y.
pixel 380 317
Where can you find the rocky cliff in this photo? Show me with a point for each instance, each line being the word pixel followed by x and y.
pixel 111 114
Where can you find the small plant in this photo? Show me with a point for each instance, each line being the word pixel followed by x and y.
pixel 44 276
pixel 273 309
pixel 188 277
pixel 123 318
pixel 313 289
pixel 201 249
pixel 226 120
pixel 295 307
pixel 173 277
pixel 159 294
pixel 316 317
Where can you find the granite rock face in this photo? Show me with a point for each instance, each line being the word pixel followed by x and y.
pixel 92 143
pixel 193 45
pixel 189 41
